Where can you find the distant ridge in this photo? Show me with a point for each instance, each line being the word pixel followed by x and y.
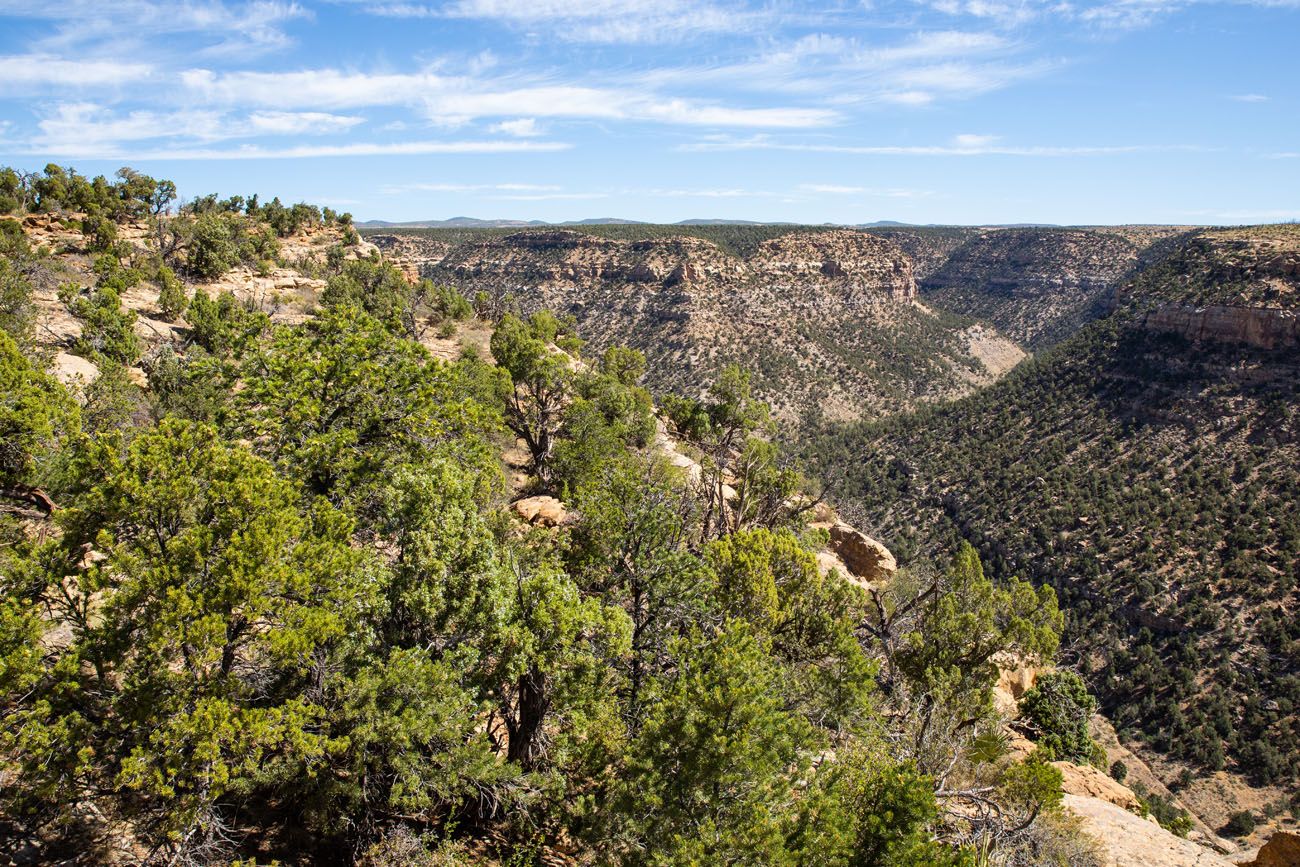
pixel 475 223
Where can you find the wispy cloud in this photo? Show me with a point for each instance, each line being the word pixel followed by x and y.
pixel 227 28
pixel 919 69
pixel 596 21
pixel 21 72
pixel 1249 97
pixel 870 192
pixel 524 127
pixel 85 128
pixel 461 99
pixel 396 189
pixel 118 150
pixel 958 148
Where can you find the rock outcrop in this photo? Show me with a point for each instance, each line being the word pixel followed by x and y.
pixel 1037 286
pixel 542 511
pixel 826 319
pixel 1281 850
pixel 1089 782
pixel 1131 841
pixel 1261 327
pixel 864 557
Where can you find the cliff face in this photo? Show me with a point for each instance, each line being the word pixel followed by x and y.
pixel 1239 285
pixel 1037 286
pixel 928 248
pixel 854 264
pixel 827 320
pixel 1261 327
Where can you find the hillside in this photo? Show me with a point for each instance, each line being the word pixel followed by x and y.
pixel 1037 286
pixel 826 319
pixel 1146 468
pixel 306 563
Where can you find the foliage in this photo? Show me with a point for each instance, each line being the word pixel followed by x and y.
pixel 1118 467
pixel 541 382
pixel 338 401
pixel 36 417
pixel 223 326
pixel 710 779
pixel 17 312
pixel 107 330
pixel 1240 824
pixel 212 251
pixel 280 610
pixel 172 299
pixel 1057 709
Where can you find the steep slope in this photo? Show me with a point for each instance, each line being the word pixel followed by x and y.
pixel 1147 469
pixel 826 319
pixel 1038 286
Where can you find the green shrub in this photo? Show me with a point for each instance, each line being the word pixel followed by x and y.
pixel 212 249
pixel 1240 824
pixel 171 294
pixel 1058 709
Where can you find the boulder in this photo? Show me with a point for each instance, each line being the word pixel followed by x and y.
pixel 1131 841
pixel 1281 850
pixel 864 556
pixel 1087 781
pixel 68 368
pixel 1015 678
pixel 543 511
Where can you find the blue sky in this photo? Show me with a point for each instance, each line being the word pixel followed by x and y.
pixel 952 111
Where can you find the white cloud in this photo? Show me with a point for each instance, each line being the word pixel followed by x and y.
pixel 969 140
pixel 456 100
pixel 19 72
pixel 76 128
pixel 468 188
pixel 359 149
pixel 1249 97
pixel 873 192
pixel 301 122
pixel 596 21
pixel 523 127
pixel 763 142
pixel 546 197
pixel 245 28
pixel 918 70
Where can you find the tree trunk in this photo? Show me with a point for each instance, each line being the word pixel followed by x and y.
pixel 526 734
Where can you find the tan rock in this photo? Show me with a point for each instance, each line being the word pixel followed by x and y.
pixel 1263 327
pixel 543 511
pixel 1087 781
pixel 1131 841
pixel 1281 850
pixel 68 368
pixel 864 556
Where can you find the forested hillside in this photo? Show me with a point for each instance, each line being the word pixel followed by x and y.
pixel 1151 480
pixel 826 319
pixel 263 600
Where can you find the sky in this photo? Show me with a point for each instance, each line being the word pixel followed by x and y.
pixel 924 111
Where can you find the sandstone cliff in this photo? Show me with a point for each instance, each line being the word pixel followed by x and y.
pixel 1261 327
pixel 1231 286
pixel 827 320
pixel 1037 286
